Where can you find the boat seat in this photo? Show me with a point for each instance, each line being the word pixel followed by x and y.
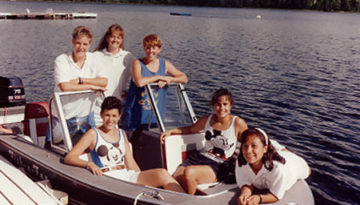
pixel 36 120
pixel 177 147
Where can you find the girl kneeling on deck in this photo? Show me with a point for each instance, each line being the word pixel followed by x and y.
pixel 262 166
pixel 111 155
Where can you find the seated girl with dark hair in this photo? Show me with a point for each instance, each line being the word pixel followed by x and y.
pixel 222 129
pixel 111 155
pixel 262 166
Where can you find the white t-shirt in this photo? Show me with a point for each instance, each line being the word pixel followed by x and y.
pixel 65 70
pixel 117 69
pixel 279 180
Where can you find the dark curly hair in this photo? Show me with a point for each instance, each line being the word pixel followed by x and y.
pixel 221 92
pixel 268 157
pixel 111 102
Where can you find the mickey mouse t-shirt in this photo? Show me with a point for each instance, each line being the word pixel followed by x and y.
pixel 219 144
pixel 107 154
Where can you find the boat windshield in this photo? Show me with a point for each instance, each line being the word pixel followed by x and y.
pixel 175 112
pixel 72 114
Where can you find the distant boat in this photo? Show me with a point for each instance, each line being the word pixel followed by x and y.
pixel 180 14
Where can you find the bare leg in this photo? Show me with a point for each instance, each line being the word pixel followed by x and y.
pixel 5 130
pixel 159 178
pixel 197 174
pixel 179 176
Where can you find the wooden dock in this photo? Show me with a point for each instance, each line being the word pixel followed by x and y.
pixel 48 15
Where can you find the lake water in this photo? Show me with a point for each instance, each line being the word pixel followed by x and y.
pixel 293 73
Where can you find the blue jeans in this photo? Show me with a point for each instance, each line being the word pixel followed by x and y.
pixel 80 125
pixel 77 126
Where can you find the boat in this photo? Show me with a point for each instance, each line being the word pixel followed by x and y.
pixel 17 188
pixel 180 14
pixel 84 187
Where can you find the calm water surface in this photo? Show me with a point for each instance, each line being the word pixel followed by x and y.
pixel 294 73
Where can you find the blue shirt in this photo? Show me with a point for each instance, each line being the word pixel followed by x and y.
pixel 137 111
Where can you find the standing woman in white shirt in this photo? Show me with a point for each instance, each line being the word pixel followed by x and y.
pixel 78 71
pixel 260 166
pixel 116 61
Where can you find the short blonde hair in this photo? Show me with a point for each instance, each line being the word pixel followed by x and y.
pixel 152 40
pixel 82 30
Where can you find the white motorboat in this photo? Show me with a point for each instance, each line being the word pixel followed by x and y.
pixel 84 187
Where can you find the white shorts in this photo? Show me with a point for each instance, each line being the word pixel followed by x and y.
pixel 124 174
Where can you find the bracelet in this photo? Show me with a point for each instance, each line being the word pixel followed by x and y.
pixel 80 81
pixel 260 199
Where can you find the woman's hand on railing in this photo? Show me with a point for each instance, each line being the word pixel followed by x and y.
pixel 163 135
pixel 161 83
pixel 97 88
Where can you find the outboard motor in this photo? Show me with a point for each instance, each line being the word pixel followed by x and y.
pixel 12 92
pixel 12 100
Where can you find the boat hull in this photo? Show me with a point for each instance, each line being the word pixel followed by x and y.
pixel 82 186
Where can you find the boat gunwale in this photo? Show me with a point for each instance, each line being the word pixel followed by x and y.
pixel 84 177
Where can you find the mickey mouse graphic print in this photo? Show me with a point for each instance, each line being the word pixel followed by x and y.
pixel 107 154
pixel 219 144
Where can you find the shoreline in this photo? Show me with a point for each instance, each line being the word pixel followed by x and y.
pixel 212 4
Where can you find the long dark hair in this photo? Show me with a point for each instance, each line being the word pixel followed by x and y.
pixel 113 28
pixel 268 157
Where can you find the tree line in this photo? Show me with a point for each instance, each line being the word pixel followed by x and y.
pixel 323 5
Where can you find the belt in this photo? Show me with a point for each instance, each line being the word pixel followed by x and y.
pixel 116 167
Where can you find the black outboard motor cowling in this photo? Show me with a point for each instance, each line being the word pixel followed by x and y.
pixel 12 92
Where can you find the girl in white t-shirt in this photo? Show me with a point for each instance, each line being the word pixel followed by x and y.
pixel 115 61
pixel 260 166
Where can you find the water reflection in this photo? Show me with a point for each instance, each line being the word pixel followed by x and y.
pixel 293 73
